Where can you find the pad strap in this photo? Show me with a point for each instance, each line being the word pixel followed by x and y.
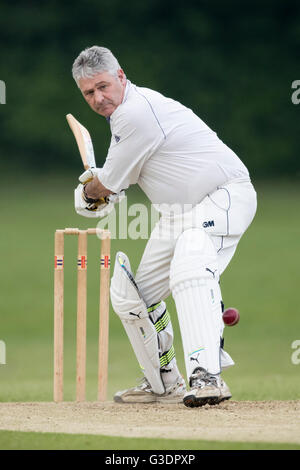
pixel 161 324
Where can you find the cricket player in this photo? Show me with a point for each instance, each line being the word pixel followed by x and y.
pixel 206 202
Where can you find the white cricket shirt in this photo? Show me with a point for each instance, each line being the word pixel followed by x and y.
pixel 166 149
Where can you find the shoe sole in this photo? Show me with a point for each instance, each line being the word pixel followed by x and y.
pixel 218 400
pixel 132 399
pixel 118 399
pixel 192 402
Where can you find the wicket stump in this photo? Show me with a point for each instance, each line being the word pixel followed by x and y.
pixel 81 312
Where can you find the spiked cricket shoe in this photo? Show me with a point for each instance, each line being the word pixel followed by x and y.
pixel 205 389
pixel 143 393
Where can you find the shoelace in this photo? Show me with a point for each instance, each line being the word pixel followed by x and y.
pixel 202 378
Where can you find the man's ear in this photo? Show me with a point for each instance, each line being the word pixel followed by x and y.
pixel 122 76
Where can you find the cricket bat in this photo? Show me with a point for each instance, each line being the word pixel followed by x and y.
pixel 84 142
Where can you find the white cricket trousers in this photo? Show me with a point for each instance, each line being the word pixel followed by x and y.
pixel 225 215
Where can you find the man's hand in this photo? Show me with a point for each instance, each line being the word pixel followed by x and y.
pixel 93 189
pixel 98 208
pixel 90 208
pixel 91 201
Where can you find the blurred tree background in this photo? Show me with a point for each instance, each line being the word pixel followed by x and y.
pixel 232 62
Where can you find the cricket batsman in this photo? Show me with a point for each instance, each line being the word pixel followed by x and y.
pixel 206 202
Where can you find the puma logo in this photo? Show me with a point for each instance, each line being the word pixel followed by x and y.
pixel 195 355
pixel 135 314
pixel 195 358
pixel 213 272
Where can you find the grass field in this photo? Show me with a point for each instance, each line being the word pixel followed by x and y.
pixel 262 281
pixel 10 440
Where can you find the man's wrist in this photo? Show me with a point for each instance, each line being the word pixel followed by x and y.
pixel 87 196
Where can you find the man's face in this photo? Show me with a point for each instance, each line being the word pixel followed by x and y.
pixel 104 92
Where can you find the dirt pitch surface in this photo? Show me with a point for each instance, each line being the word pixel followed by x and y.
pixel 264 421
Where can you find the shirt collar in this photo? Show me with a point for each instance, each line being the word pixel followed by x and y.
pixel 127 88
pixel 128 84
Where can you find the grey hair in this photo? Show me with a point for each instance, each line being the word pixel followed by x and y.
pixel 94 60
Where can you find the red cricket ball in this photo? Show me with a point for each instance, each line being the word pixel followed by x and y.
pixel 231 316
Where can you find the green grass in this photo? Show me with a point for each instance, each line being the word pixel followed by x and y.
pixel 262 281
pixel 10 440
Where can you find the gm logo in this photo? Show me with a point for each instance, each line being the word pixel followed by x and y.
pixel 2 92
pixel 2 352
pixel 209 223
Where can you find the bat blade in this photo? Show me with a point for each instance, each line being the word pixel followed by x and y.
pixel 84 142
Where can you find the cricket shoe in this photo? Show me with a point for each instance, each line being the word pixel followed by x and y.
pixel 206 389
pixel 144 394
